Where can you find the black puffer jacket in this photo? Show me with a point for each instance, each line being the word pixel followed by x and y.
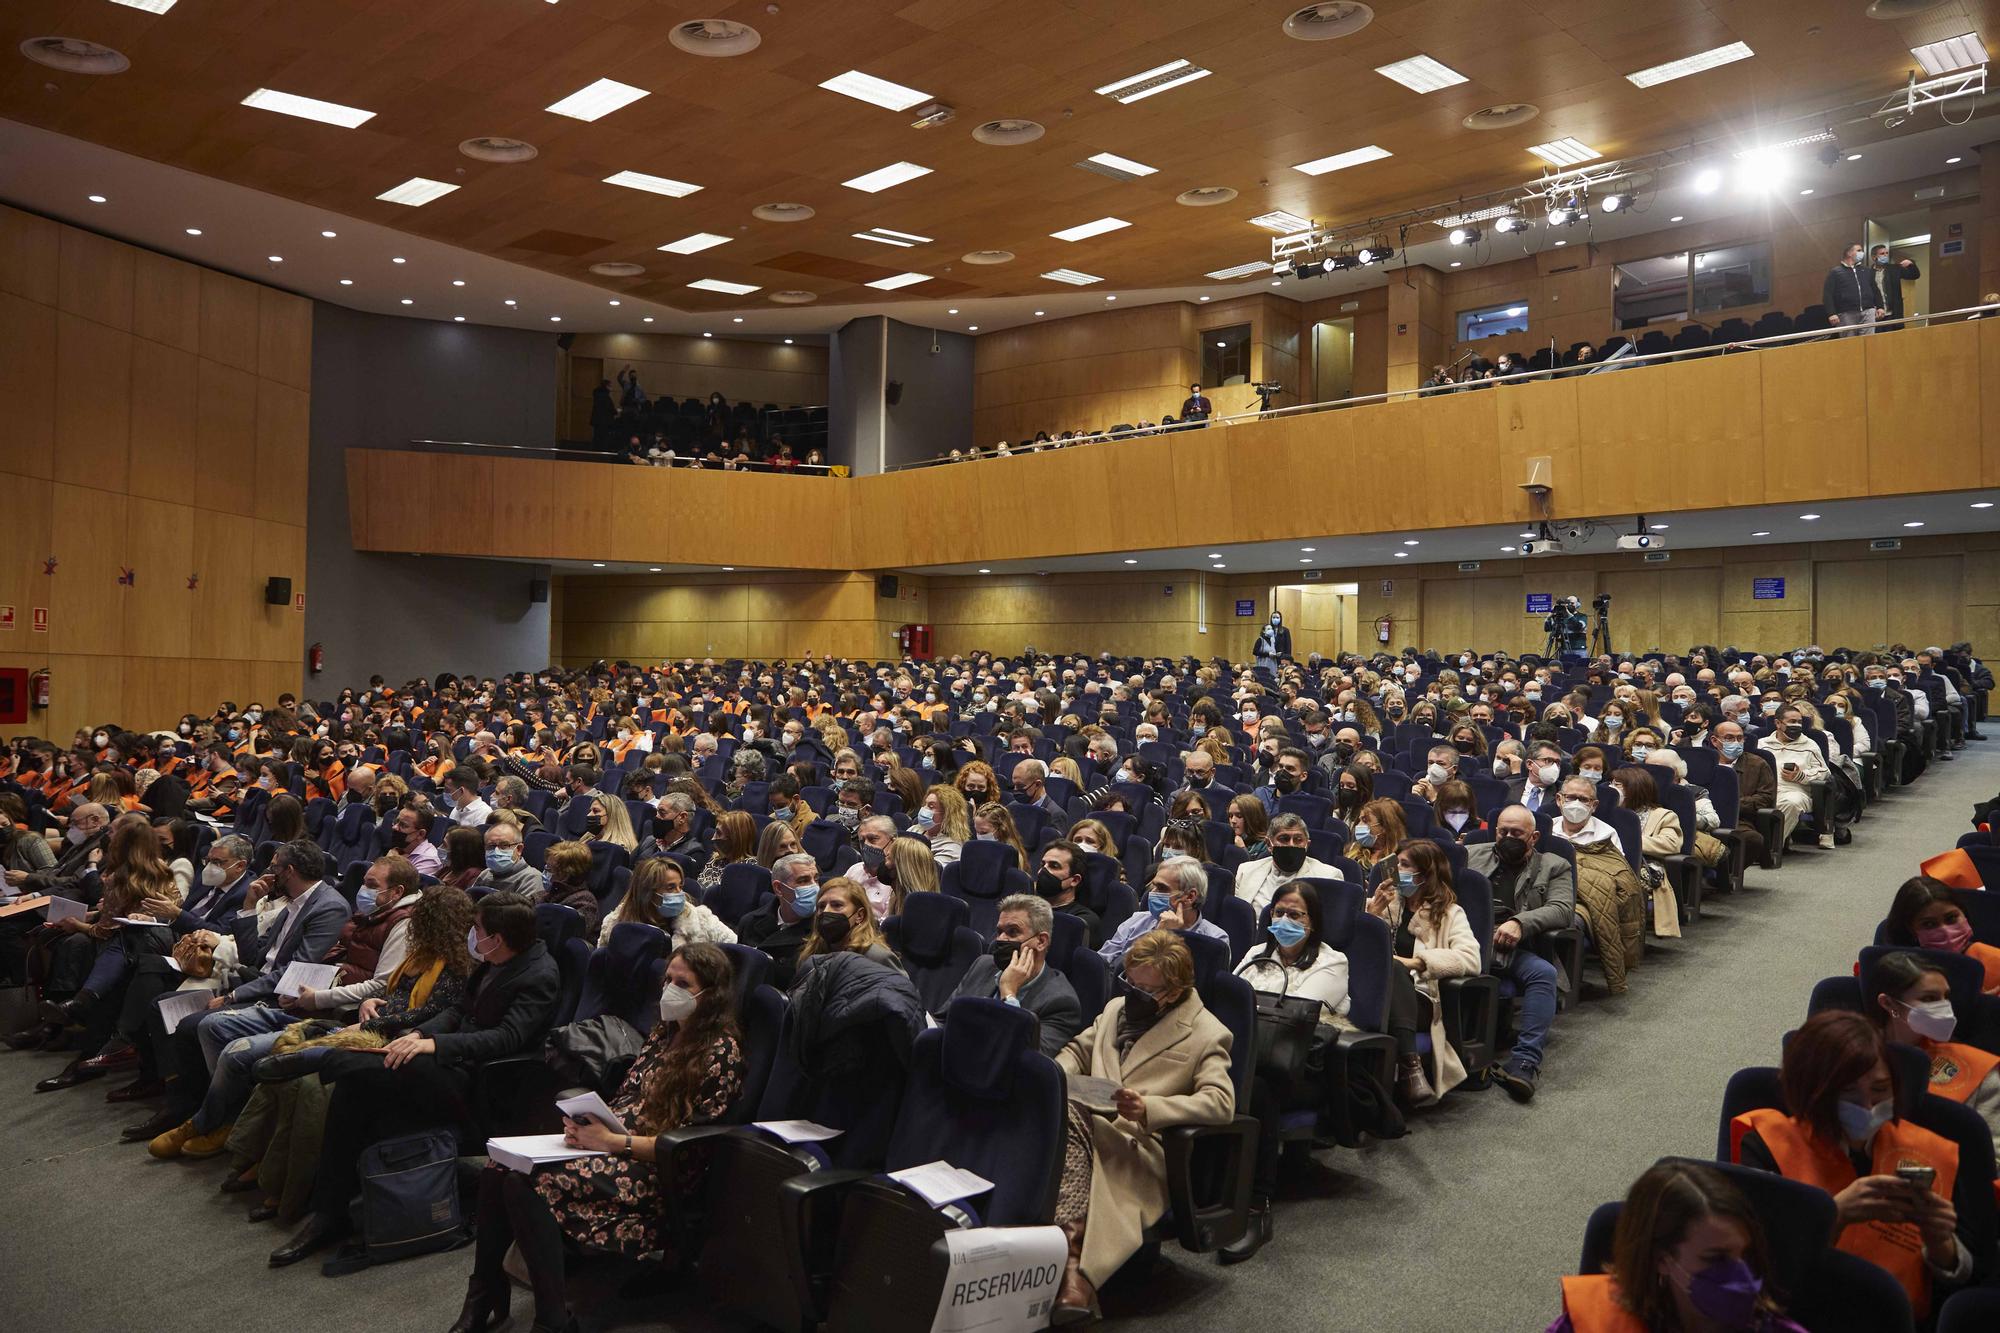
pixel 844 1007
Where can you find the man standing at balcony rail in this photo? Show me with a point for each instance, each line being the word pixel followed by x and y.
pixel 1890 275
pixel 1853 302
pixel 1196 409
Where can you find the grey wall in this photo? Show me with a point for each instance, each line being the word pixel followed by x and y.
pixel 934 415
pixel 381 381
pixel 854 395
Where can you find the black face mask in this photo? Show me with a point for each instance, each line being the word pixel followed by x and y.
pixel 1791 730
pixel 1003 952
pixel 832 928
pixel 1198 781
pixel 1463 747
pixel 1048 884
pixel 1285 782
pixel 1139 1006
pixel 1288 859
pixel 1510 848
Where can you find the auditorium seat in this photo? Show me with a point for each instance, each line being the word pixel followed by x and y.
pixel 935 944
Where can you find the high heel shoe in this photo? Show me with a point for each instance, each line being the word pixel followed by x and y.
pixel 482 1309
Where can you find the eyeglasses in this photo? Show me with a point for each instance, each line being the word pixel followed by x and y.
pixel 1290 915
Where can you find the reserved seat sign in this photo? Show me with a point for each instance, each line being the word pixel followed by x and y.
pixel 1001 1279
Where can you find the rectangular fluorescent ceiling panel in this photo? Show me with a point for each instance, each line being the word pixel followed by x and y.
pixel 308 108
pixel 1072 277
pixel 729 288
pixel 876 92
pixel 1564 152
pixel 1241 270
pixel 150 6
pixel 1694 64
pixel 884 177
pixel 1961 52
pixel 1116 167
pixel 597 101
pixel 1481 215
pixel 900 280
pixel 1281 222
pixel 695 244
pixel 1421 74
pixel 639 180
pixel 1084 231
pixel 884 236
pixel 416 192
pixel 1155 80
pixel 1353 157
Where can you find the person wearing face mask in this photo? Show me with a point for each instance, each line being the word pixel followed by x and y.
pixel 1172 902
pixel 1802 776
pixel 1378 829
pixel 1456 818
pixel 690 1071
pixel 1534 893
pixel 1851 296
pixel 461 792
pixel 1288 776
pixel 1259 881
pixel 23 851
pixel 1910 1001
pixel 784 922
pixel 1846 1137
pixel 1536 785
pixel 1274 641
pixel 1170 1059
pixel 1432 940
pixel 423 1078
pixel 1060 881
pixel 1016 972
pixel 1440 766
pixel 657 896
pixel 1689 1255
pixel 1756 788
pixel 1925 915
pixel 73 874
pixel 1609 893
pixel 843 922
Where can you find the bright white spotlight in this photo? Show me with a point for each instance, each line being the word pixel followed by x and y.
pixel 1707 181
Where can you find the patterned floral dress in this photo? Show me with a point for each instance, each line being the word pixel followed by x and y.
pixel 612 1203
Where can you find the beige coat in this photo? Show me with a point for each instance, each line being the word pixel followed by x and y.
pixel 1181 1067
pixel 1448 949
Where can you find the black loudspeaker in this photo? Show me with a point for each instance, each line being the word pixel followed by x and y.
pixel 892 392
pixel 538 590
pixel 885 587
pixel 565 340
pixel 277 591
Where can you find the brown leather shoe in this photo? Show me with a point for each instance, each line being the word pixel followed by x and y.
pixel 119 1059
pixel 1076 1302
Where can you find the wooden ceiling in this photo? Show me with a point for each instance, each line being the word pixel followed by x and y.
pixel 756 128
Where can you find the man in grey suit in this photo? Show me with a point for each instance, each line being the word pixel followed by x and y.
pixel 1534 892
pixel 1017 971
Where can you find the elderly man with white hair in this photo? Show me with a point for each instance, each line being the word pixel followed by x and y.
pixel 1172 902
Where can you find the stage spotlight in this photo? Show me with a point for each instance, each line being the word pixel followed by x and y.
pixel 1707 181
pixel 1611 203
pixel 1373 254
pixel 1559 216
pixel 1509 225
pixel 1467 235
pixel 1337 262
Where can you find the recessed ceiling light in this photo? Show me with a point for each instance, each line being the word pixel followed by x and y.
pixel 1038 314
pixel 882 178
pixel 985 571
pixel 1245 270
pixel 416 192
pixel 728 288
pixel 1421 74
pixel 597 564
pixel 1561 243
pixel 1218 566
pixel 194 231
pixel 1305 560
pixel 276 259
pixel 1914 523
pixel 1280 221
pixel 460 282
pixel 729 569
pixel 1412 542
pixel 347 282
pixel 1854 157
pixel 399 260
pixel 1765 533
pixel 1564 152
pixel 97 199
pixel 329 234
pixel 1960 52
pixel 408 301
pixel 1686 65
pixel 876 92
pixel 1123 166
pixel 890 284
pixel 707 335
pixel 1276 283
pixel 509 301
pixel 1215 555
pixel 1808 517
pixel 1353 157
pixel 555 319
pixel 598 100
pixel 788 342
pixel 458 319
pixel 1953 161
pixel 972 328
pixel 645 319
pixel 1205 298
pixel 1804 192
pixel 653 569
pixel 308 108
pixel 1402 555
pixel 1677 218
pixel 1506 548
pixel 612 303
pixel 1982 504
pixel 695 244
pixel 1309 549
pixel 1110 298
pixel 1084 231
pixel 1072 277
pixel 952 311
pixel 1455 263
pixel 639 180
pixel 888 236
pixel 150 6
pixel 1155 80
pixel 737 320
pixel 1131 562
pixel 1659 527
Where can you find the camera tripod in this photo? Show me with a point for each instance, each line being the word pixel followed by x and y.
pixel 1600 635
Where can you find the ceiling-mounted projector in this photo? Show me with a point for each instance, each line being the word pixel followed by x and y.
pixel 1641 541
pixel 1542 546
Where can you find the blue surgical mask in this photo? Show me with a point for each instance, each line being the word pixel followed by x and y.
pixel 548 881
pixel 1364 836
pixel 1406 882
pixel 804 898
pixel 925 817
pixel 1159 903
pixel 1286 931
pixel 929 762
pixel 671 905
pixel 1732 749
pixel 1860 1122
pixel 499 860
pixel 364 902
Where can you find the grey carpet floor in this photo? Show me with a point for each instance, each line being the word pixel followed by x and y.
pixel 1465 1224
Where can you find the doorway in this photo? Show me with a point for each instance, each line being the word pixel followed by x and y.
pixel 1322 616
pixel 1333 360
pixel 1908 236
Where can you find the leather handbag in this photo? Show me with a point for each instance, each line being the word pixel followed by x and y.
pixel 1289 1052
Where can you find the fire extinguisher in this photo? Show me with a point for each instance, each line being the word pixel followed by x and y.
pixel 316 658
pixel 38 688
pixel 1382 629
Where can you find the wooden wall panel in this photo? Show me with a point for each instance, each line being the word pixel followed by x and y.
pixel 225 469
pixel 231 596
pixel 30 250
pixel 283 422
pixel 93 403
pixel 1925 597
pixel 25 541
pixel 284 338
pixel 87 529
pixel 277 549
pixel 163 449
pixel 1989 403
pixel 1715 411
pixel 1629 435
pixel 1923 391
pixel 1536 421
pixel 156 688
pixel 229 320
pixel 159 608
pixel 27 383
pixel 1853 603
pixel 1815 420
pixel 95 280
pixel 166 301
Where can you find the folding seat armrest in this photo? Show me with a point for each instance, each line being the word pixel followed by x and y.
pixel 680 1212
pixel 1472 1017
pixel 1208 1181
pixel 1770 824
pixel 809 1222
pixel 1358 1048
pixel 1564 948
pixel 1685 873
pixel 516 1094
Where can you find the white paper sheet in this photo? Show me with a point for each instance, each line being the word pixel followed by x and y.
pixel 940 1183
pixel 524 1152
pixel 796 1131
pixel 1001 1279
pixel 318 976
pixel 176 1006
pixel 590 1106
pixel 62 909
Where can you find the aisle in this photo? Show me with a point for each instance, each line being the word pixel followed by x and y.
pixel 1482 1206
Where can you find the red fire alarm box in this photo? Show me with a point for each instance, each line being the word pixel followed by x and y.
pixel 916 640
pixel 13 694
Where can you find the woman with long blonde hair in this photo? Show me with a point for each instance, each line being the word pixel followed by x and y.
pixel 992 823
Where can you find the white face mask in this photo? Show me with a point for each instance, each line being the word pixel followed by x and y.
pixel 1933 1020
pixel 213 876
pixel 1548 774
pixel 676 1002
pixel 1575 812
pixel 1437 773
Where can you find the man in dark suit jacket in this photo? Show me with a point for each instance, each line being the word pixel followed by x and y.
pixel 1017 971
pixel 1527 787
pixel 423 1078
pixel 1756 784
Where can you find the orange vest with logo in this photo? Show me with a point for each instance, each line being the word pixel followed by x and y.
pixel 1957 1070
pixel 1591 1302
pixel 1989 958
pixel 1802 1155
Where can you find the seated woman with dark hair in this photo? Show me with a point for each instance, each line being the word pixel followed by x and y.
pixel 689 1072
pixel 464 857
pixel 1913 1006
pixel 1432 940
pixel 1924 915
pixel 1455 813
pixel 1845 1136
pixel 1689 1254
